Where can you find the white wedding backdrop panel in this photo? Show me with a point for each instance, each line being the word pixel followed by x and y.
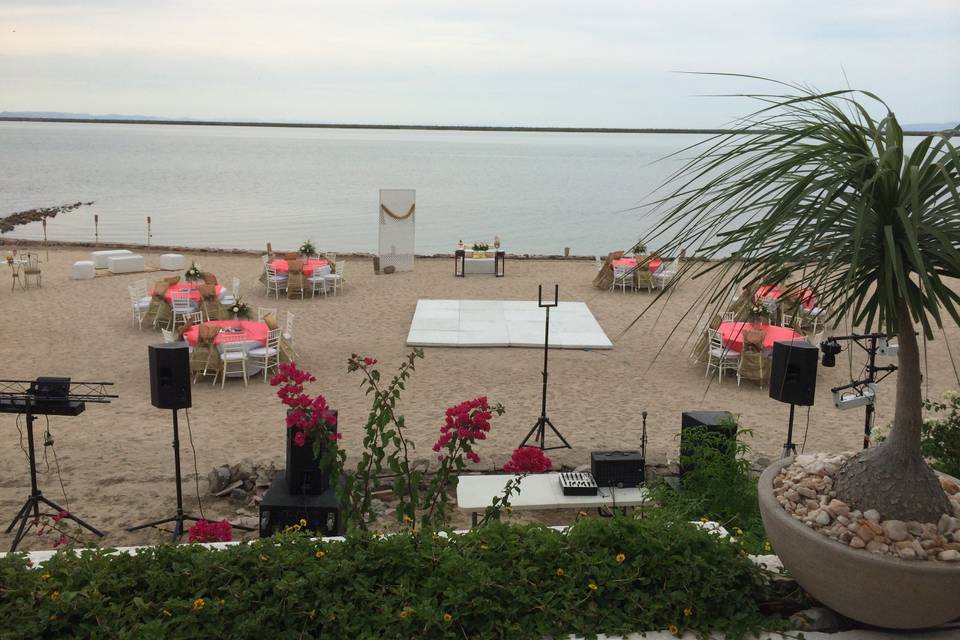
pixel 397 217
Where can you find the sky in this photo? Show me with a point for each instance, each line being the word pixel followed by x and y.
pixel 490 62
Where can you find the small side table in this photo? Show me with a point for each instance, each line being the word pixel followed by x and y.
pixel 459 263
pixel 499 258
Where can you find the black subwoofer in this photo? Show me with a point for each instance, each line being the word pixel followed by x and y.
pixel 793 374
pixel 170 375
pixel 617 468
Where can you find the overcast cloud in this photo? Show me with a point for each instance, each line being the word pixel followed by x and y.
pixel 495 62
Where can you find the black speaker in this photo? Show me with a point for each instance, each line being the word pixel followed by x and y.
pixel 617 468
pixel 170 375
pixel 303 473
pixel 720 422
pixel 793 374
pixel 279 510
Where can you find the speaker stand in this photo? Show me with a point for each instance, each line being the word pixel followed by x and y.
pixel 31 508
pixel 789 449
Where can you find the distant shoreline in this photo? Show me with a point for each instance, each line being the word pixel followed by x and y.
pixel 401 127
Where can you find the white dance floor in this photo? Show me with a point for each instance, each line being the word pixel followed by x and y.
pixel 503 323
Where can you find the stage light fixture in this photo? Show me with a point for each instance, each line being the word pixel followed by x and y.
pixel 830 349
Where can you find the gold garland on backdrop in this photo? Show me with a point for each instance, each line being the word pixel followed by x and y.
pixel 386 210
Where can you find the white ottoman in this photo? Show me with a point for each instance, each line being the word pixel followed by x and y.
pixel 172 262
pixel 100 257
pixel 125 264
pixel 83 270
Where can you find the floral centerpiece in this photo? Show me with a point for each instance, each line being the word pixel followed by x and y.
pixel 759 312
pixel 193 274
pixel 480 249
pixel 308 249
pixel 239 309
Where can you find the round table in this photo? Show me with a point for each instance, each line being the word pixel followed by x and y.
pixel 732 334
pixel 254 335
pixel 309 266
pixel 653 265
pixel 192 288
pixel 774 292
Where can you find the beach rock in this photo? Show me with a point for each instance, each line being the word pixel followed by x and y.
pixel 857 543
pixel 238 495
pixel 907 553
pixel 230 488
pixel 389 269
pixel 218 478
pixel 950 486
pixel 950 555
pixel 815 619
pixel 244 469
pixel 877 547
pixel 822 517
pixel 895 530
pixel 872 514
pixel 947 524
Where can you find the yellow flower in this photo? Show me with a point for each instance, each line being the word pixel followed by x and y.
pixel 674 630
pixel 407 519
pixel 303 522
pixel 167 613
pixel 704 519
pixel 55 596
pixel 484 546
pixel 582 514
pixel 560 572
pixel 221 602
pixel 403 615
pixel 313 614
pixel 738 530
pixel 198 604
pixel 320 554
pixel 688 612
pixel 593 586
pixel 447 617
pixel 263 557
pixel 45 576
pixel 621 557
pixel 767 547
pixel 509 509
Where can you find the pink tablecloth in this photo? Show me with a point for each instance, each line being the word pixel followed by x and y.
pixel 653 265
pixel 308 266
pixel 732 334
pixel 252 331
pixel 774 292
pixel 192 287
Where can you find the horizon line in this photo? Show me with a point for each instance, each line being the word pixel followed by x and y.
pixel 411 127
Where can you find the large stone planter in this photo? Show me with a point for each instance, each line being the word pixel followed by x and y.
pixel 877 590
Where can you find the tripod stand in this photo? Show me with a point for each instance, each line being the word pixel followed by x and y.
pixel 789 448
pixel 36 498
pixel 539 429
pixel 179 517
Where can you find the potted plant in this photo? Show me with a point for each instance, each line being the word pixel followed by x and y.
pixel 826 191
pixel 308 250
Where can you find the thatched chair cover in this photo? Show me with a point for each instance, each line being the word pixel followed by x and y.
pixel 172 280
pixel 291 256
pixel 754 365
pixel 205 359
pixel 295 281
pixel 604 279
pixel 187 323
pixel 208 278
pixel 159 310
pixel 209 302
pixel 753 340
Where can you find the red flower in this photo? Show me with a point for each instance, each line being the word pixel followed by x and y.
pixel 473 457
pixel 528 460
pixel 299 438
pixel 61 515
pixel 369 361
pixel 204 531
pixel 62 540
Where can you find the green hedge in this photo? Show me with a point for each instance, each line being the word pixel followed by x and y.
pixel 604 575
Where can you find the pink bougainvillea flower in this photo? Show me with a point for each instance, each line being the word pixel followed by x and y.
pixel 299 438
pixel 369 361
pixel 528 460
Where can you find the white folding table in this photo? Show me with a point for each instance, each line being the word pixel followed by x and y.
pixel 538 491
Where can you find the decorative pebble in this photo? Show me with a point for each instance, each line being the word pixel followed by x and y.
pixel 805 490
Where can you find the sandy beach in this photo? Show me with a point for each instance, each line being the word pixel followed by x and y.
pixel 116 461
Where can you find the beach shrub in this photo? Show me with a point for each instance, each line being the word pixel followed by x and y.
pixel 940 436
pixel 717 485
pixel 519 581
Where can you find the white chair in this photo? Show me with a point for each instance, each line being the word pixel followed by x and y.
pixel 196 317
pixel 288 327
pixel 719 356
pixel 786 320
pixel 168 335
pixel 232 354
pixel 665 274
pixel 139 301
pixel 275 282
pixel 181 306
pixel 268 357
pixel 232 294
pixel 598 262
pixel 318 283
pixel 263 312
pixel 336 279
pixel 622 276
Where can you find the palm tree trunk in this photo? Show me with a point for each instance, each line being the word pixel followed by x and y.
pixel 893 478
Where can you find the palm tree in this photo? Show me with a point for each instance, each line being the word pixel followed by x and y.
pixel 813 188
